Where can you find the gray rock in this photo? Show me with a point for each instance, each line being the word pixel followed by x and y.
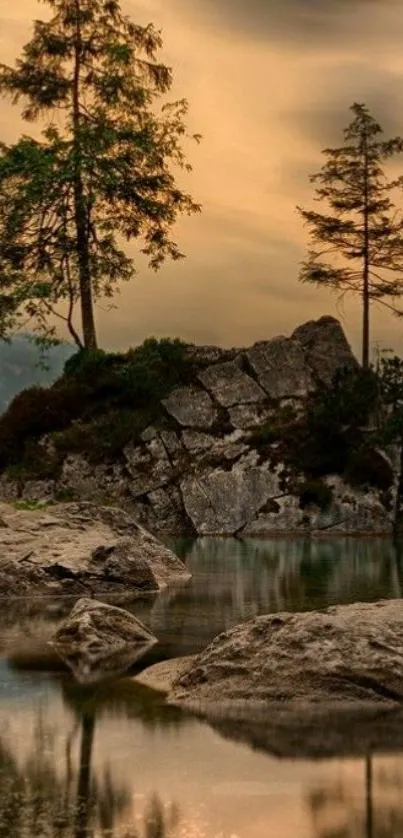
pixel 222 502
pixel 348 656
pixel 82 480
pixel 286 517
pixel 196 441
pixel 205 355
pixel 79 547
pixel 191 407
pixel 230 385
pixel 352 510
pixel 149 468
pixel 248 416
pixel 40 491
pixel 98 641
pixel 172 443
pixel 149 434
pixel 281 367
pixel 326 347
pixel 167 508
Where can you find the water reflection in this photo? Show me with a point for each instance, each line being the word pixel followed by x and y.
pixel 379 814
pixel 236 580
pixel 113 761
pixel 53 791
pixel 232 581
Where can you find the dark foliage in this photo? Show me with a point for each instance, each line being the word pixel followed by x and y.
pixel 368 467
pixel 314 493
pixel 102 401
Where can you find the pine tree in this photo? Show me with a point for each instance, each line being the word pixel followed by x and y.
pixel 103 171
pixel 363 232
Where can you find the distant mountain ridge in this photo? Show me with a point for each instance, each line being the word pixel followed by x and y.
pixel 20 366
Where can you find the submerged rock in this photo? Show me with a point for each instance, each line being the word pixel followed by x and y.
pixel 79 548
pixel 342 657
pixel 98 641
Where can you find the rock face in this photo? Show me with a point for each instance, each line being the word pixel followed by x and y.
pixel 98 641
pixel 222 502
pixel 344 656
pixel 325 347
pixel 191 407
pixel 230 386
pixel 281 367
pixel 205 468
pixel 78 547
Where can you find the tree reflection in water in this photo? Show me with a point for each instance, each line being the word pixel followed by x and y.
pixel 45 796
pixel 334 809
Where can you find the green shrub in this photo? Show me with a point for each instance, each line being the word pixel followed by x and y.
pixel 349 400
pixel 141 377
pixel 275 428
pixel 368 467
pixel 267 434
pixel 153 369
pixel 104 438
pixel 34 413
pixel 314 493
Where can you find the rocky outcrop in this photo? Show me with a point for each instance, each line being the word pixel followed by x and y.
pixel 325 347
pixel 99 641
pixel 79 548
pixel 342 657
pixel 223 502
pixel 281 367
pixel 230 385
pixel 191 407
pixel 205 467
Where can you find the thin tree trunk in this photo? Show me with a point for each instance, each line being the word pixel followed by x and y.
pixel 398 522
pixel 365 277
pixel 83 255
pixel 369 802
pixel 84 776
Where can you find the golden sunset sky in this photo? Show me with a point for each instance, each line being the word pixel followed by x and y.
pixel 269 84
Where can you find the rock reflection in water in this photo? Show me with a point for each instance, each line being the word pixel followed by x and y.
pixel 232 581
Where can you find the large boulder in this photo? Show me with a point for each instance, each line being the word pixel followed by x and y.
pixel 220 502
pixel 75 548
pixel 342 657
pixel 281 367
pixel 325 346
pixel 230 385
pixel 191 407
pixel 98 641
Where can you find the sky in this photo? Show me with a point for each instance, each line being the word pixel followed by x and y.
pixel 269 85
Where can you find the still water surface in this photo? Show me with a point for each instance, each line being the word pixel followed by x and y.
pixel 116 763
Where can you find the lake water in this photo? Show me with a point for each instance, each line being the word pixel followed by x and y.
pixel 115 762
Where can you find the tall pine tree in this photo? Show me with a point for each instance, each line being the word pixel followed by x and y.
pixel 104 171
pixel 362 235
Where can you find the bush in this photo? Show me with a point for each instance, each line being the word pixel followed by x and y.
pixel 348 401
pixel 112 395
pixel 276 428
pixel 153 369
pixel 141 377
pixel 34 413
pixel 315 493
pixel 368 467
pixel 102 439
